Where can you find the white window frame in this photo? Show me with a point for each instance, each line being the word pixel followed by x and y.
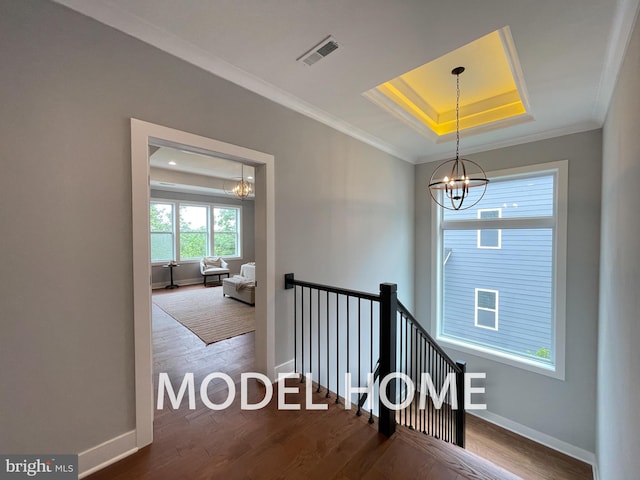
pixel 208 232
pixel 493 310
pixel 558 222
pixel 210 243
pixel 490 247
pixel 173 229
pixel 238 208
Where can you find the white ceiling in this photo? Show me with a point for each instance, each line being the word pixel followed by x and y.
pixel 570 52
pixel 178 170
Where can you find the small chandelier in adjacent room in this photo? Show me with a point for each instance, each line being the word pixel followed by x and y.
pixel 455 177
pixel 241 188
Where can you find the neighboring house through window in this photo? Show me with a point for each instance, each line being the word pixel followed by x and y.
pixel 490 238
pixel 500 270
pixel 486 309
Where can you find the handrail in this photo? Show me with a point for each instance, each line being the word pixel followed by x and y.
pixel 339 332
pixel 404 311
pixel 290 282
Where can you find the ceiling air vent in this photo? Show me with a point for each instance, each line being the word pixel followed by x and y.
pixel 321 50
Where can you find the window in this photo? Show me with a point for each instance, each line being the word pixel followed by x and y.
pixel 162 231
pixel 505 267
pixel 194 231
pixel 489 238
pixel 225 221
pixel 486 309
pixel 188 231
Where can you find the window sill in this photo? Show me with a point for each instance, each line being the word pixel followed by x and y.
pixel 501 357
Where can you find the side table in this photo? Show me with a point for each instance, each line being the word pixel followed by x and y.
pixel 171 266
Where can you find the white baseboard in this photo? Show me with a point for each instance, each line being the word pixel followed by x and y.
pixel 539 437
pixel 183 282
pixel 103 455
pixel 286 367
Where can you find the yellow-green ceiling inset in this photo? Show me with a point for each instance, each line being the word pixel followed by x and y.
pixel 492 91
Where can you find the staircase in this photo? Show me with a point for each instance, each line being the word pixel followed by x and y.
pixel 357 343
pixel 338 444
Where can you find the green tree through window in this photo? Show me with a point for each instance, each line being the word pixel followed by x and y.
pixel 162 240
pixel 225 232
pixel 185 231
pixel 194 231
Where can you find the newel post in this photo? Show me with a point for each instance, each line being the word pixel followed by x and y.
pixel 460 412
pixel 388 336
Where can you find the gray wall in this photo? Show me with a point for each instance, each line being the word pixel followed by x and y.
pixel 619 327
pixel 563 409
pixel 344 213
pixel 191 270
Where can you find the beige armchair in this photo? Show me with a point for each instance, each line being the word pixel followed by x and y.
pixel 213 266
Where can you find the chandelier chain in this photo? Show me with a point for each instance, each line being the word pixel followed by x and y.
pixel 457 116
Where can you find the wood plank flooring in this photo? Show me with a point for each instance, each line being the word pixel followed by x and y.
pixel 528 459
pixel 269 443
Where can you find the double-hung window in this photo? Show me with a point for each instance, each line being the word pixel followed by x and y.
pixel 194 231
pixel 162 231
pixel 500 276
pixel 187 231
pixel 486 309
pixel 226 233
pixel 487 237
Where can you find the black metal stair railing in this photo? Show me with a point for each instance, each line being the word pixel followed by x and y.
pixel 372 336
pixel 334 334
pixel 419 355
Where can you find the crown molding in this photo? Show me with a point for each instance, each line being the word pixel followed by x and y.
pixel 547 134
pixel 178 47
pixel 620 34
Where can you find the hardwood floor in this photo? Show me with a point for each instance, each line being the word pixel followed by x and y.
pixel 528 459
pixel 276 444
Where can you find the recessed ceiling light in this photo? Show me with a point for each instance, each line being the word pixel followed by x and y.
pixel 172 163
pixel 249 178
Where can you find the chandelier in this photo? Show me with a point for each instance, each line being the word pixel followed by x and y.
pixel 242 188
pixel 450 182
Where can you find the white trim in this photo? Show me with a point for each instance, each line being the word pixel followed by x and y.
pixel 560 262
pixel 494 310
pixel 479 242
pixel 166 41
pixel 183 282
pixel 285 367
pixel 502 224
pixel 107 453
pixel 210 232
pixel 624 19
pixel 110 15
pixel 142 133
pixel 499 356
pixel 173 232
pixel 558 222
pixel 512 141
pixel 538 437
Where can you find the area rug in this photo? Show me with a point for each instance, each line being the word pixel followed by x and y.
pixel 207 313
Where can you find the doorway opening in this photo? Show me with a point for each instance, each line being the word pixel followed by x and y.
pixel 143 136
